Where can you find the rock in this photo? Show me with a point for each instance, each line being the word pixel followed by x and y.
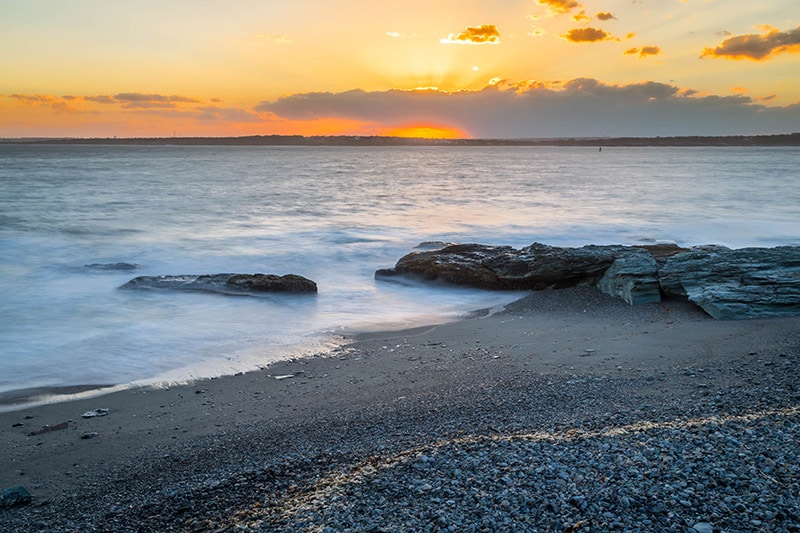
pixel 632 277
pixel 736 284
pixel 49 428
pixel 703 527
pixel 89 435
pixel 12 496
pixel 534 267
pixel 112 266
pixel 226 283
pixel 95 412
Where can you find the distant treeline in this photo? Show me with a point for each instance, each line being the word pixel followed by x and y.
pixel 789 139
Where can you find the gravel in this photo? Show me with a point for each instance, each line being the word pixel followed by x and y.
pixel 495 452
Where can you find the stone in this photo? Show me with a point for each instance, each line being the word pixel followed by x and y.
pixel 226 283
pixel 633 277
pixel 703 527
pixel 49 428
pixel 736 284
pixel 534 267
pixel 95 412
pixel 112 266
pixel 12 496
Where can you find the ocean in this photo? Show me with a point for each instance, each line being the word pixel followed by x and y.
pixel 71 216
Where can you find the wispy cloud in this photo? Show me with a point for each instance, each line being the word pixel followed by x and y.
pixel 483 34
pixel 757 47
pixel 57 104
pixel 644 51
pixel 559 7
pixel 605 16
pixel 587 35
pixel 141 100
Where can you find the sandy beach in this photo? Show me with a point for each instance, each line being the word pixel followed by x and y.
pixel 355 440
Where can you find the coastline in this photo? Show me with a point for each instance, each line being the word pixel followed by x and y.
pixel 572 360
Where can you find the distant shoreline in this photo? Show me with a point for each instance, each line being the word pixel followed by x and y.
pixel 788 139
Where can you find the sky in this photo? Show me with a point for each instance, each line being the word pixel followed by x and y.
pixel 427 68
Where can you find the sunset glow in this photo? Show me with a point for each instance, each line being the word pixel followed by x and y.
pixel 426 132
pixel 518 68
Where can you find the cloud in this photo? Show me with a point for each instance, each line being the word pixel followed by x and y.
pixel 57 104
pixel 581 17
pixel 576 108
pixel 644 51
pixel 270 38
pixel 587 35
pixel 757 47
pixel 605 16
pixel 559 7
pixel 139 100
pixel 483 34
pixel 537 32
pixel 226 114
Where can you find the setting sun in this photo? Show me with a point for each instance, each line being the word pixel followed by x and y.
pixel 426 131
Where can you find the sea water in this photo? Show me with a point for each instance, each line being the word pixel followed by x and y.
pixel 76 222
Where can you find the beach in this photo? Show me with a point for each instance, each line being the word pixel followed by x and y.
pixel 356 440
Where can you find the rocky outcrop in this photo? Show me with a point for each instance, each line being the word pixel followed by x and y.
pixel 226 283
pixel 537 267
pixel 727 284
pixel 734 284
pixel 534 267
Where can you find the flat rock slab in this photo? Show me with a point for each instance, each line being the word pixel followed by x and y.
pixel 736 284
pixel 226 283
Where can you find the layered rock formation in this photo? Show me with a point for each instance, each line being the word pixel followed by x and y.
pixel 226 283
pixel 727 284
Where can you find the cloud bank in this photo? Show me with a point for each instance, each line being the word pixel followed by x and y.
pixel 758 47
pixel 576 108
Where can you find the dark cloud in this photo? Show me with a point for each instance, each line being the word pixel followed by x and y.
pixel 644 51
pixel 577 108
pixel 559 6
pixel 605 16
pixel 587 35
pixel 483 34
pixel 757 47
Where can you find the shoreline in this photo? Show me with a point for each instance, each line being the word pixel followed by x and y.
pixel 552 363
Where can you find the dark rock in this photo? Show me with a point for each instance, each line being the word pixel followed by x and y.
pixel 49 428
pixel 12 496
pixel 226 283
pixel 735 284
pixel 534 267
pixel 633 277
pixel 112 266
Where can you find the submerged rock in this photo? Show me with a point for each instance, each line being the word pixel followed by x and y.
pixel 735 284
pixel 226 283
pixel 112 266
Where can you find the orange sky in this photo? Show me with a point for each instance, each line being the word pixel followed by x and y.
pixel 478 68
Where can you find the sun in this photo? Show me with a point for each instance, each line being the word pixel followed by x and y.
pixel 426 131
